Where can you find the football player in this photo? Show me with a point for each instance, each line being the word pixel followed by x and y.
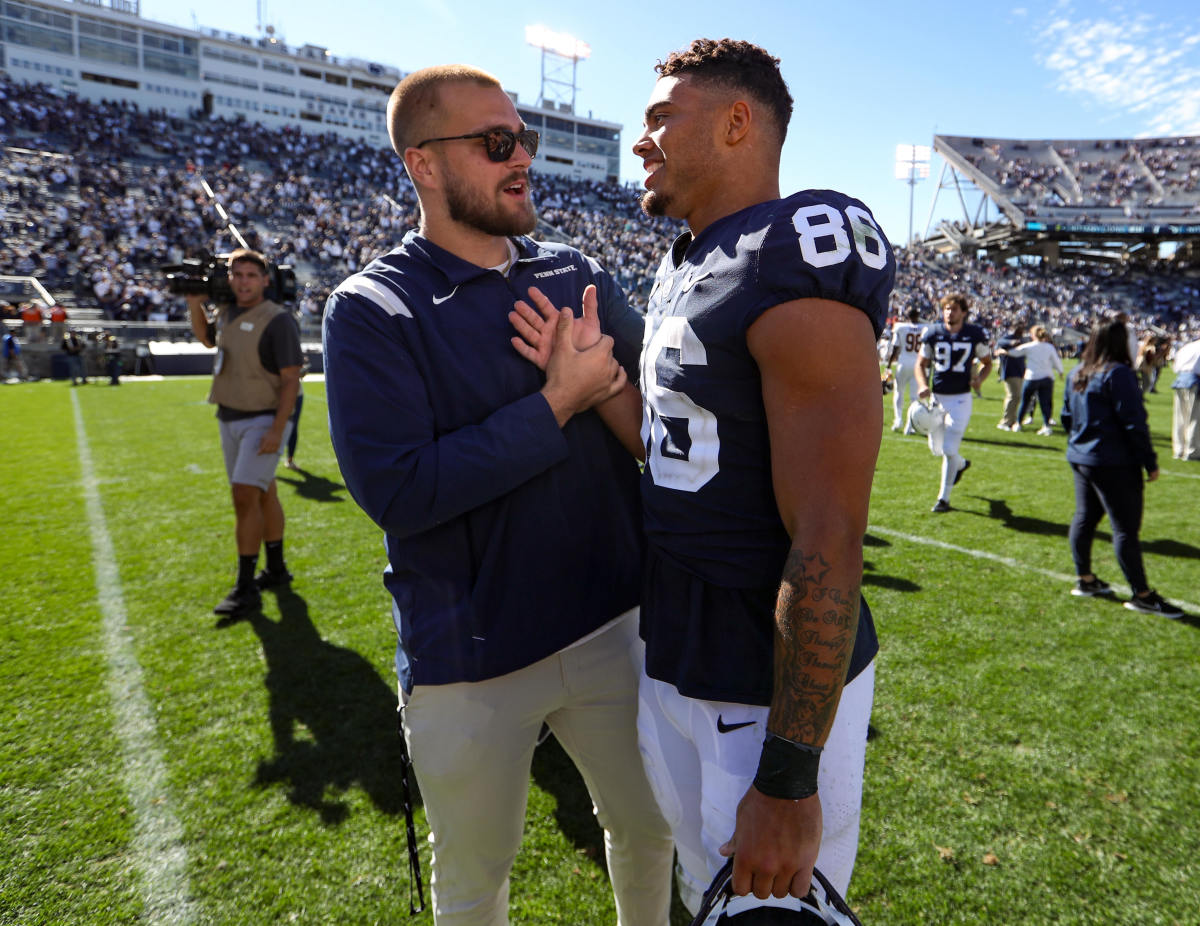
pixel 905 348
pixel 761 426
pixel 960 359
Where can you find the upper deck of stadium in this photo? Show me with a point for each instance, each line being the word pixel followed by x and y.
pixel 1114 186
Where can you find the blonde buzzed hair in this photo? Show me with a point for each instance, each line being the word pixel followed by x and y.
pixel 416 100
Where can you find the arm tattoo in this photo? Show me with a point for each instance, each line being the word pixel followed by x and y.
pixel 815 623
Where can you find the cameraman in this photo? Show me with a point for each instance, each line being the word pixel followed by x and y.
pixel 256 377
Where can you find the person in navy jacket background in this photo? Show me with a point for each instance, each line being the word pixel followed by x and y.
pixel 1108 447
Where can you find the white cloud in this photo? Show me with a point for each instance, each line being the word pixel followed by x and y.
pixel 1127 62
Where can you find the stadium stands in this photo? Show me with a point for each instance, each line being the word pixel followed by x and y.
pixel 1065 298
pixel 1095 181
pixel 96 197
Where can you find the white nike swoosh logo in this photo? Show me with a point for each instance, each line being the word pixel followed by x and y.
pixel 693 281
pixel 437 301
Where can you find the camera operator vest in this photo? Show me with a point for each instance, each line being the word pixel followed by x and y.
pixel 239 379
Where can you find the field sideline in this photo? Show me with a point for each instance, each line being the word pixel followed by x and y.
pixel 1035 757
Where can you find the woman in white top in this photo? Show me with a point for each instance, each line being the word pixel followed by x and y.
pixel 1041 363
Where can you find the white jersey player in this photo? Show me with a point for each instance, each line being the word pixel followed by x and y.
pixel 905 348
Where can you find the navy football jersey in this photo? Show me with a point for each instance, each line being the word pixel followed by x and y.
pixel 707 489
pixel 953 355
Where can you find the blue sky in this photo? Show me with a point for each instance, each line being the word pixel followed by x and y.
pixel 866 76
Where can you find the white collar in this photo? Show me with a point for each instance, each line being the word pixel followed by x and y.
pixel 503 268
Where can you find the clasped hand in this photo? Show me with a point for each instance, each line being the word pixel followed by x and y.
pixel 576 357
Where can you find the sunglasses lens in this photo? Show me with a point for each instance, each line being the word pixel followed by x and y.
pixel 499 144
pixel 529 141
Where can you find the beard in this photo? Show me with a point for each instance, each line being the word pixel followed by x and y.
pixel 655 204
pixel 472 207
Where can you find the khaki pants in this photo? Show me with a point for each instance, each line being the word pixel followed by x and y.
pixel 1012 400
pixel 472 745
pixel 1185 425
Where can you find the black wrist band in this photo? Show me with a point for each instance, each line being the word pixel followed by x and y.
pixel 787 770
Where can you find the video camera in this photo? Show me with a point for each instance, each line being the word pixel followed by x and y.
pixel 208 275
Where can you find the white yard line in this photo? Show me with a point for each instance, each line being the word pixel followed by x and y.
pixel 1174 473
pixel 159 855
pixel 1190 607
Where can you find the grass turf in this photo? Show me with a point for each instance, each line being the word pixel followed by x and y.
pixel 1035 756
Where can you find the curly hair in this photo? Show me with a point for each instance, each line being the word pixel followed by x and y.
pixel 955 299
pixel 735 65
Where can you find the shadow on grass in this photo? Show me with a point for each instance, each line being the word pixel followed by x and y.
pixel 555 773
pixel 1019 445
pixel 1172 548
pixel 895 583
pixel 311 486
pixel 999 510
pixel 333 719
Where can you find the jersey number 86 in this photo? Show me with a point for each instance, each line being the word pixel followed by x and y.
pixel 681 437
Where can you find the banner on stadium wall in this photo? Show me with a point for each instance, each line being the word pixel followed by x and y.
pixel 1089 228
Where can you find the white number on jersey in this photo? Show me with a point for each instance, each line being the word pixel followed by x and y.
pixel 822 221
pixel 680 437
pixel 952 355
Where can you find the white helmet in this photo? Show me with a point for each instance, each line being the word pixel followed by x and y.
pixel 822 906
pixel 926 418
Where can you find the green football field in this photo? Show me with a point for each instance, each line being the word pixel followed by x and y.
pixel 1035 757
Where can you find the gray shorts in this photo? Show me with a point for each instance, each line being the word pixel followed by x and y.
pixel 240 440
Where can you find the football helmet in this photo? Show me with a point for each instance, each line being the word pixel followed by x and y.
pixel 926 418
pixel 821 906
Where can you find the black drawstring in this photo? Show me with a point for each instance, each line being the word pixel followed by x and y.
pixel 414 859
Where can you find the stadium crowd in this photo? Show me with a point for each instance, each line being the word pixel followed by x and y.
pixel 1126 174
pixel 96 197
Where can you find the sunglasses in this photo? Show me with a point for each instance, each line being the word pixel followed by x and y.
pixel 499 143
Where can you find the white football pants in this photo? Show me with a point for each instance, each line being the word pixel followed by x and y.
pixel 958 416
pixel 906 384
pixel 699 775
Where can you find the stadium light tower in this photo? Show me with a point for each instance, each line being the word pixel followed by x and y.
pixel 559 52
pixel 912 164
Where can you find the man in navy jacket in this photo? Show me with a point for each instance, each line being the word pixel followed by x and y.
pixel 510 509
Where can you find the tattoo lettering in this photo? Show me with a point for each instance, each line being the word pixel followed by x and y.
pixel 815 625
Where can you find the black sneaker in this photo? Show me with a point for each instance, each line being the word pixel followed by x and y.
pixel 1154 603
pixel 1091 588
pixel 239 601
pixel 966 466
pixel 941 506
pixel 271 578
